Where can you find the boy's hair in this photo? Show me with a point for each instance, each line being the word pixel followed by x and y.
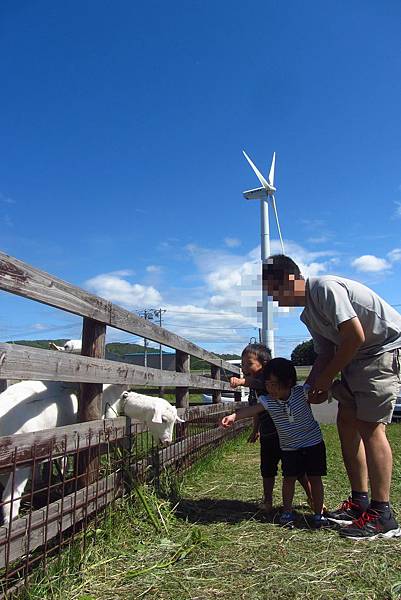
pixel 278 267
pixel 283 369
pixel 261 352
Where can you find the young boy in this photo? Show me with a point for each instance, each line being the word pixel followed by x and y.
pixel 254 359
pixel 302 448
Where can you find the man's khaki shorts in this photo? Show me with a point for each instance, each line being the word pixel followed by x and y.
pixel 370 386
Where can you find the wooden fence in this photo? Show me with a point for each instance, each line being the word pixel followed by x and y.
pixel 90 481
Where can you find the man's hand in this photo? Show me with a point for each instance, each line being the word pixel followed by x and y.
pixel 236 381
pixel 323 383
pixel 316 396
pixel 228 421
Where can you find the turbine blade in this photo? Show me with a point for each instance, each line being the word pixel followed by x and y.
pixel 278 224
pixel 271 173
pixel 257 172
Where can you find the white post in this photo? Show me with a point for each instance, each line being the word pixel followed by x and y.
pixel 267 306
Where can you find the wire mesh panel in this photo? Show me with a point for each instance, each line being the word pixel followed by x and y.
pixel 48 499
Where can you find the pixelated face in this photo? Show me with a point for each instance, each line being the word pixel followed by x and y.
pixel 289 292
pixel 276 389
pixel 250 364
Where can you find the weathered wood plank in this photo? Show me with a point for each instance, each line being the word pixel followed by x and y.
pixel 20 278
pixel 216 375
pixel 16 541
pixel 61 515
pixel 182 365
pixel 23 447
pixel 90 398
pixel 94 346
pixel 24 362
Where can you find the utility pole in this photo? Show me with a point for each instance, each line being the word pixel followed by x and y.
pixel 158 313
pixel 150 314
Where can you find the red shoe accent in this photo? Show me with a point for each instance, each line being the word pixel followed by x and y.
pixel 366 517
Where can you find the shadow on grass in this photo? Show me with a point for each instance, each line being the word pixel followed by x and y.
pixel 212 510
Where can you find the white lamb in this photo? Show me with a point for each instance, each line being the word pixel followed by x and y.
pixel 30 406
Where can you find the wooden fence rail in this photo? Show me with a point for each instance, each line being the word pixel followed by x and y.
pixel 24 362
pixel 20 278
pixel 97 481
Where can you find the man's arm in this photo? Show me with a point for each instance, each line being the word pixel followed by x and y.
pixel 351 338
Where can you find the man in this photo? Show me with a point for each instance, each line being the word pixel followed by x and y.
pixel 357 333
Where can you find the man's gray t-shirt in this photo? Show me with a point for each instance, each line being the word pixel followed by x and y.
pixel 332 300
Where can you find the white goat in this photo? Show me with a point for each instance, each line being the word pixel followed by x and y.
pixel 30 406
pixel 73 346
pixel 158 414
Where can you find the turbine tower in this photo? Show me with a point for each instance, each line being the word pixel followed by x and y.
pixel 264 194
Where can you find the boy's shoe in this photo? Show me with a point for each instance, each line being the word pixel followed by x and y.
pixel 319 521
pixel 348 512
pixel 310 504
pixel 266 506
pixel 287 519
pixel 372 526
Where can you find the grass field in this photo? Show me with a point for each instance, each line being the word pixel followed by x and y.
pixel 211 542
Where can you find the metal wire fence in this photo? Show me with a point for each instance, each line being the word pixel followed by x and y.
pixel 58 481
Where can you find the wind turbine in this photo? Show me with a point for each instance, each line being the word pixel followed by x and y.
pixel 263 194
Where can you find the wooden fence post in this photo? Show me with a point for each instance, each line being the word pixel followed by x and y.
pixel 215 373
pixel 90 400
pixel 182 365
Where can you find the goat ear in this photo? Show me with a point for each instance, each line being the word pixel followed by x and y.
pixel 179 420
pixel 124 395
pixel 157 415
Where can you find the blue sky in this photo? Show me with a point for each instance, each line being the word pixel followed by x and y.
pixel 122 126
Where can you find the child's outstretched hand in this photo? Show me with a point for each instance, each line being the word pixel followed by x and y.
pixel 228 421
pixel 236 381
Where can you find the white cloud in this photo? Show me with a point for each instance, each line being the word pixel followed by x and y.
pixel 113 287
pixel 122 273
pixel 319 240
pixel 40 327
pixel 227 288
pixel 6 199
pixel 232 242
pixel 394 255
pixel 398 210
pixel 370 264
pixel 153 269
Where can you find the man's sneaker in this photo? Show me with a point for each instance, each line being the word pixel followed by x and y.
pixel 371 526
pixel 287 519
pixel 319 521
pixel 348 512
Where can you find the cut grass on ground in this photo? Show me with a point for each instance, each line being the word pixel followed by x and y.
pixel 215 544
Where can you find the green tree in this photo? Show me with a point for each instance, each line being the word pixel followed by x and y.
pixel 304 354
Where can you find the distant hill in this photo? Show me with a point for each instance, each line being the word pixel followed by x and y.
pixel 118 348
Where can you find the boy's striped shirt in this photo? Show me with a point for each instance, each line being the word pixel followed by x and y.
pixel 294 421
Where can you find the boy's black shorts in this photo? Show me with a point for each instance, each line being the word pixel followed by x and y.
pixel 270 455
pixel 310 460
